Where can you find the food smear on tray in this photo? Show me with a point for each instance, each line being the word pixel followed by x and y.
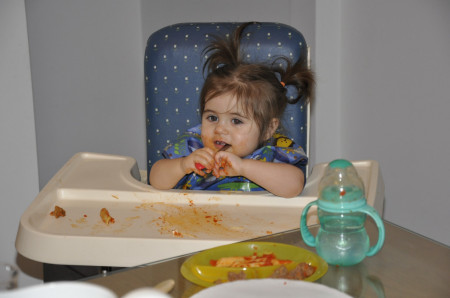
pixel 106 218
pixel 191 221
pixel 58 212
pixel 253 261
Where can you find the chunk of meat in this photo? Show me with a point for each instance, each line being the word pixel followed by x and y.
pixel 58 212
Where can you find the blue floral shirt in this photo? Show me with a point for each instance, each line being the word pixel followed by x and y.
pixel 279 148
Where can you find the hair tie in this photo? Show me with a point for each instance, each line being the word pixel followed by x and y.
pixel 278 76
pixel 220 65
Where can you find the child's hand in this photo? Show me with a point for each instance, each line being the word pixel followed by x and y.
pixel 200 161
pixel 227 164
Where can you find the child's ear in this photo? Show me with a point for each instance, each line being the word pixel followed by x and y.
pixel 273 125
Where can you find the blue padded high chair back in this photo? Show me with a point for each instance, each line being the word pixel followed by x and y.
pixel 174 77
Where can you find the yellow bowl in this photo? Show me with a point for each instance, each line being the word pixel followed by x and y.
pixel 198 270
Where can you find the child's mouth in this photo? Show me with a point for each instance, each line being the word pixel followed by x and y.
pixel 221 145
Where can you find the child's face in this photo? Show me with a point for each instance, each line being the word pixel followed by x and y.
pixel 225 122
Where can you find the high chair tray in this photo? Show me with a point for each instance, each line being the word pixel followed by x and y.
pixel 150 224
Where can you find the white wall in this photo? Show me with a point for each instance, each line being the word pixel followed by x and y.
pixel 383 91
pixel 395 101
pixel 87 70
pixel 325 120
pixel 299 13
pixel 18 158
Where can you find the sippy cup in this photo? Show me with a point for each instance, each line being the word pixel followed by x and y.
pixel 341 207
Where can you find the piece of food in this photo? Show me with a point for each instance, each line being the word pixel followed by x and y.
pixel 232 276
pixel 236 276
pixel 300 272
pixel 106 218
pixel 58 212
pixel 252 261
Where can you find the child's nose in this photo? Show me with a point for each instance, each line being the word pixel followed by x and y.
pixel 221 127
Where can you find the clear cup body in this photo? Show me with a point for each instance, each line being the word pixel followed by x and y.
pixel 342 238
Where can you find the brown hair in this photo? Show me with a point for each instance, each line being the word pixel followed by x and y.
pixel 256 86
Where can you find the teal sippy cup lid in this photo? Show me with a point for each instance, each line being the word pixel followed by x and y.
pixel 340 163
pixel 341 188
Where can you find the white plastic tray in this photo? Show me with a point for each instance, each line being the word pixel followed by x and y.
pixel 150 224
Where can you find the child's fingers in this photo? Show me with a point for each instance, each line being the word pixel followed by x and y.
pixel 223 159
pixel 220 156
pixel 204 164
pixel 217 172
pixel 199 172
pixel 222 165
pixel 202 160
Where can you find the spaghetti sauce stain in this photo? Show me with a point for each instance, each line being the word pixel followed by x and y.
pixel 190 220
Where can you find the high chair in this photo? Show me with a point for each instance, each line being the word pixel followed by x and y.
pixel 151 224
pixel 174 77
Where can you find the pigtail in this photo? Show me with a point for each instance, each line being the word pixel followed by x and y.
pixel 295 76
pixel 262 89
pixel 224 51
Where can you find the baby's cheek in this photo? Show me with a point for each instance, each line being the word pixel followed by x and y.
pixel 207 141
pixel 243 150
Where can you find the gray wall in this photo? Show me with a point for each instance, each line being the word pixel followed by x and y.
pixel 18 158
pixel 383 93
pixel 395 101
pixel 382 70
pixel 87 69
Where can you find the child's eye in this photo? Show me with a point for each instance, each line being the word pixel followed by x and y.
pixel 212 118
pixel 236 121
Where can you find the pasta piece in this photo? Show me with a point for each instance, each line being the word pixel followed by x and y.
pixel 249 261
pixel 106 218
